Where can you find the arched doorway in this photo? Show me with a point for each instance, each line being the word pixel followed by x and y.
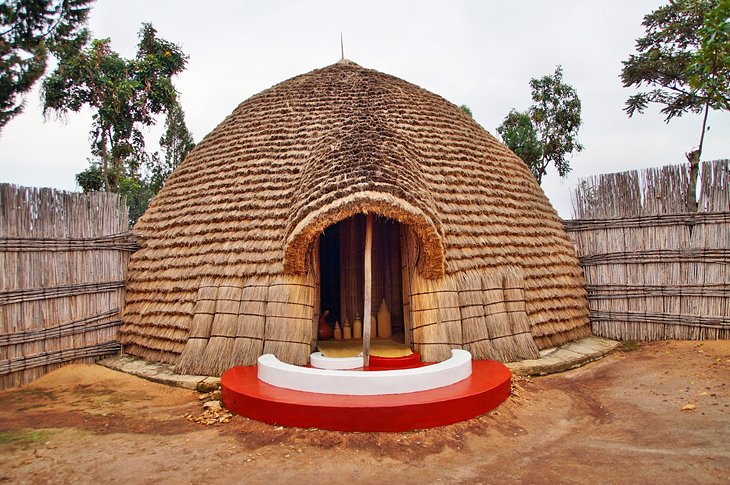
pixel 342 273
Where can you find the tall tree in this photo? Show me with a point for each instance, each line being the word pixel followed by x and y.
pixel 29 30
pixel 684 61
pixel 125 96
pixel 546 133
pixel 139 183
pixel 518 132
pixel 132 185
pixel 175 143
pixel 709 71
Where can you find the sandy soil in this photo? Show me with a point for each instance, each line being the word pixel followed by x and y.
pixel 619 420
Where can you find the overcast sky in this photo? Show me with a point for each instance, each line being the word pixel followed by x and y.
pixel 478 53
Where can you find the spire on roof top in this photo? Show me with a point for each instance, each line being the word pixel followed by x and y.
pixel 342 48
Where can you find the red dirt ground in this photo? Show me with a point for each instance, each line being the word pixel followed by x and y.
pixel 619 420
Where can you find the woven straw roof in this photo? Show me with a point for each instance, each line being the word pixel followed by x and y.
pixel 290 161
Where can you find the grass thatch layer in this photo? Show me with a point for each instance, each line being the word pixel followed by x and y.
pixel 482 313
pixel 235 321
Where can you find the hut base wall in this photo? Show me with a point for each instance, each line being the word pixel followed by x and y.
pixel 483 313
pixel 235 321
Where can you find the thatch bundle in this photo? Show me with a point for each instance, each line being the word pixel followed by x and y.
pixel 485 262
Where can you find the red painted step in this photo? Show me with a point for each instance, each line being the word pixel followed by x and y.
pixel 405 362
pixel 484 390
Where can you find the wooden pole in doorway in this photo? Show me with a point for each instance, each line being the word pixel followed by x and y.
pixel 368 290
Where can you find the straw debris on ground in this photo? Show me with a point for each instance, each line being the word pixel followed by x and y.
pixel 213 411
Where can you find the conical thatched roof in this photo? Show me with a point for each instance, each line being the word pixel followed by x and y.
pixel 237 218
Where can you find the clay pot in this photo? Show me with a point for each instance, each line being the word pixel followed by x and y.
pixel 346 330
pixel 324 331
pixel 338 331
pixel 357 327
pixel 385 329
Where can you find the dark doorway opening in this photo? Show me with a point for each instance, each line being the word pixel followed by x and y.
pixel 329 254
pixel 341 257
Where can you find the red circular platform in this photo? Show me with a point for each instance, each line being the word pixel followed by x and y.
pixel 484 390
pixel 406 362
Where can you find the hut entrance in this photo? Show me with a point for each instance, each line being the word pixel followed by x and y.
pixel 342 274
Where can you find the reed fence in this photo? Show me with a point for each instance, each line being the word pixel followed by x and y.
pixel 63 262
pixel 653 270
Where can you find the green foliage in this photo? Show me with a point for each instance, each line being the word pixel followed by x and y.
pixel 518 133
pixel 29 30
pixel 25 438
pixel 135 188
pixel 684 57
pixel 137 193
pixel 125 96
pixel 91 179
pixel 176 142
pixel 669 55
pixel 547 132
pixel 709 71
pixel 467 110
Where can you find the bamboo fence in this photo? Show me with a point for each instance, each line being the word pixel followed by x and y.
pixel 63 261
pixel 653 270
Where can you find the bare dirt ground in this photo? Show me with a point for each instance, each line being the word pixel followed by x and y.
pixel 619 420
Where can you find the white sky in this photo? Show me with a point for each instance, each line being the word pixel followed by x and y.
pixel 478 53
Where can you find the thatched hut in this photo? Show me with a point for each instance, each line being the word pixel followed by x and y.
pixel 261 228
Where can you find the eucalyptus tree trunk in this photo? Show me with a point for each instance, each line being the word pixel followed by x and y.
pixel 694 166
